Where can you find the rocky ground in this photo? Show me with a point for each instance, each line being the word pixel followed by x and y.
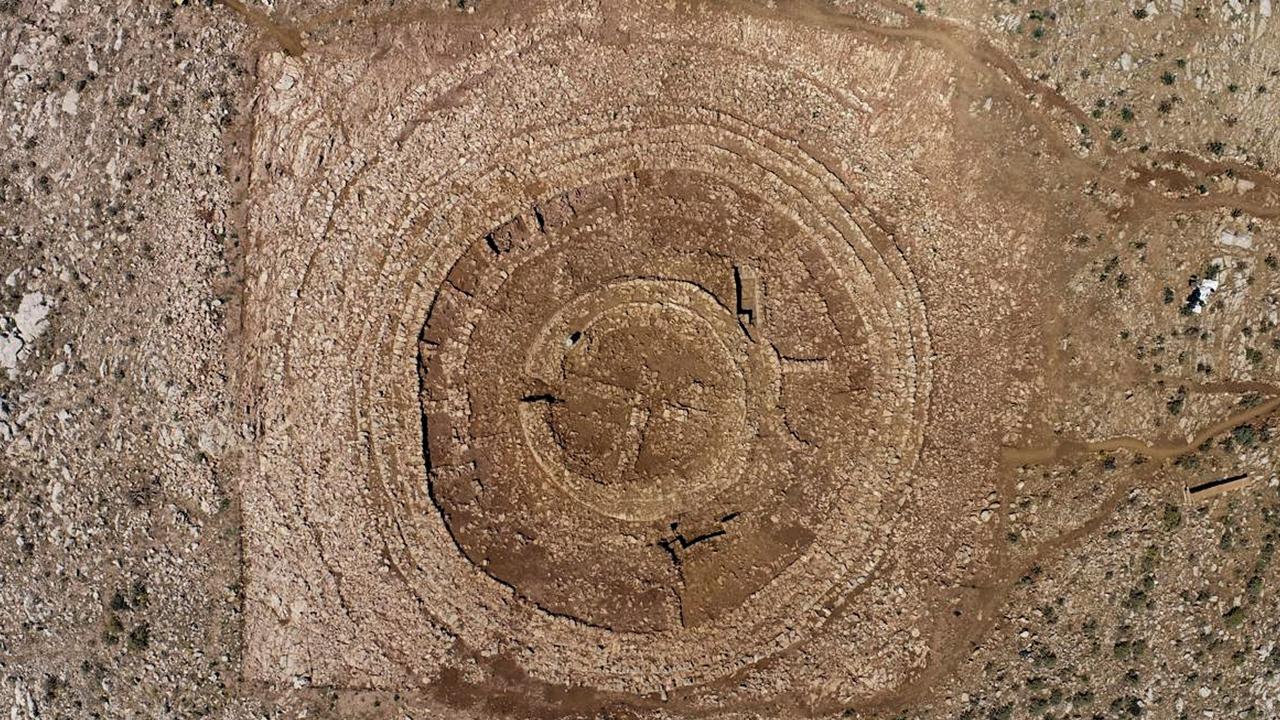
pixel 122 162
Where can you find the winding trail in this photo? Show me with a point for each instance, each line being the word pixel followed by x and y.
pixel 1158 450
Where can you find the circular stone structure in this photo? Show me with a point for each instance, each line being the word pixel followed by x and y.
pixel 645 398
pixel 639 397
pixel 670 408
pixel 612 388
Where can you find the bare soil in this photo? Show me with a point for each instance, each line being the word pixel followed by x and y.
pixel 639 360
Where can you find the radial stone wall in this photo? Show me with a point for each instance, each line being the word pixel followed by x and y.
pixel 591 351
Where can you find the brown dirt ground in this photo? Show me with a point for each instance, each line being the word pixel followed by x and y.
pixel 609 359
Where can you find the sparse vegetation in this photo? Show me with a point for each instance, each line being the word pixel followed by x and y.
pixel 241 248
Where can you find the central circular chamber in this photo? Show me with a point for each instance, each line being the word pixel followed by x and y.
pixel 643 399
pixel 641 394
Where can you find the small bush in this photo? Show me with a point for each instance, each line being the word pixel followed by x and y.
pixel 1234 617
pixel 140 637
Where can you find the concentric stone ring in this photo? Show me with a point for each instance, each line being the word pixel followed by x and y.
pixel 648 365
pixel 628 398
pixel 638 397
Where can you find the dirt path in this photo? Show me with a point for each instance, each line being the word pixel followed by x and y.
pixel 1160 450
